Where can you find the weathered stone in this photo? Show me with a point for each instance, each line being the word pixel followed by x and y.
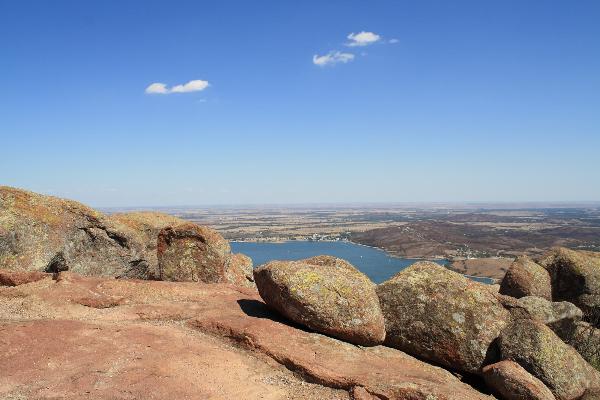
pixel 584 337
pixel 325 294
pixel 209 262
pixel 146 225
pixel 440 315
pixel 593 394
pixel 550 312
pixel 536 348
pixel 189 252
pixel 52 347
pixel 513 382
pixel 239 271
pixel 15 278
pixel 575 278
pixel 44 233
pixel 360 393
pixel 526 278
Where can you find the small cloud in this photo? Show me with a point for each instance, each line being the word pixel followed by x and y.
pixel 362 39
pixel 157 88
pixel 392 41
pixel 332 58
pixel 191 86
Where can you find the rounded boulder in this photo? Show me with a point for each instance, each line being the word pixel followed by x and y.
pixel 439 315
pixel 189 252
pixel 543 354
pixel 526 278
pixel 325 294
pixel 513 382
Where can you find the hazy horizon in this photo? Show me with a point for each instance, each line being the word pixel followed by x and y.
pixel 372 205
pixel 137 104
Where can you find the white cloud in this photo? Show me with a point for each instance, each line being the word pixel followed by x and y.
pixel 157 88
pixel 191 86
pixel 392 41
pixel 332 58
pixel 362 39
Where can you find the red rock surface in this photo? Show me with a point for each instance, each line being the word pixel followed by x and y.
pixel 526 278
pixel 15 278
pixel 513 382
pixel 160 340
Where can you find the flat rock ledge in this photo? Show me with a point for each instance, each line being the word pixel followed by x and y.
pixel 96 338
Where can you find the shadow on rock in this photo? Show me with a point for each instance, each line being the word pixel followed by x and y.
pixel 258 309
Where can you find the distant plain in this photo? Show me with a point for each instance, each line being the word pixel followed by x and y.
pixel 492 234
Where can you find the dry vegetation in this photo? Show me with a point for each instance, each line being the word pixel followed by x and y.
pixel 491 233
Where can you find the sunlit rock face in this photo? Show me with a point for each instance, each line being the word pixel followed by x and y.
pixel 440 315
pixel 325 294
pixel 526 278
pixel 44 233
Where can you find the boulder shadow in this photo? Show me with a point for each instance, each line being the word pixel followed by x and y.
pixel 258 309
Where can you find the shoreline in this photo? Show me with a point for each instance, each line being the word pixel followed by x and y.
pixel 434 258
pixel 447 265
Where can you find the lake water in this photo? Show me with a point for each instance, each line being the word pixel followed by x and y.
pixel 376 264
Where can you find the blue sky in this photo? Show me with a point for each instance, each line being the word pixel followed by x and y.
pixel 440 101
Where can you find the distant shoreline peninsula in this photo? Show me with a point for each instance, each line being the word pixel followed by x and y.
pixel 473 273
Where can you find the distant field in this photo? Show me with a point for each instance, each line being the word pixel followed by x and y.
pixel 452 231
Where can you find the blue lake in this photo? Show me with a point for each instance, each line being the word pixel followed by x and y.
pixel 376 264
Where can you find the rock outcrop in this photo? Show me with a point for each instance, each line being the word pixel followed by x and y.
pixel 526 278
pixel 325 294
pixel 584 337
pixel 188 340
pixel 542 353
pixel 575 278
pixel 513 382
pixel 44 233
pixel 189 252
pixel 146 225
pixel 440 315
pixel 16 278
pixel 156 338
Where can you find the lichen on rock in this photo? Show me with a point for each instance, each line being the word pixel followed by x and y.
pixel 442 316
pixel 325 294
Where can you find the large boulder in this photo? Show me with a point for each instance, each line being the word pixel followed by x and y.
pixel 526 278
pixel 575 278
pixel 513 382
pixel 543 354
pixel 584 337
pixel 442 316
pixel 325 294
pixel 190 252
pixel 146 225
pixel 44 233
